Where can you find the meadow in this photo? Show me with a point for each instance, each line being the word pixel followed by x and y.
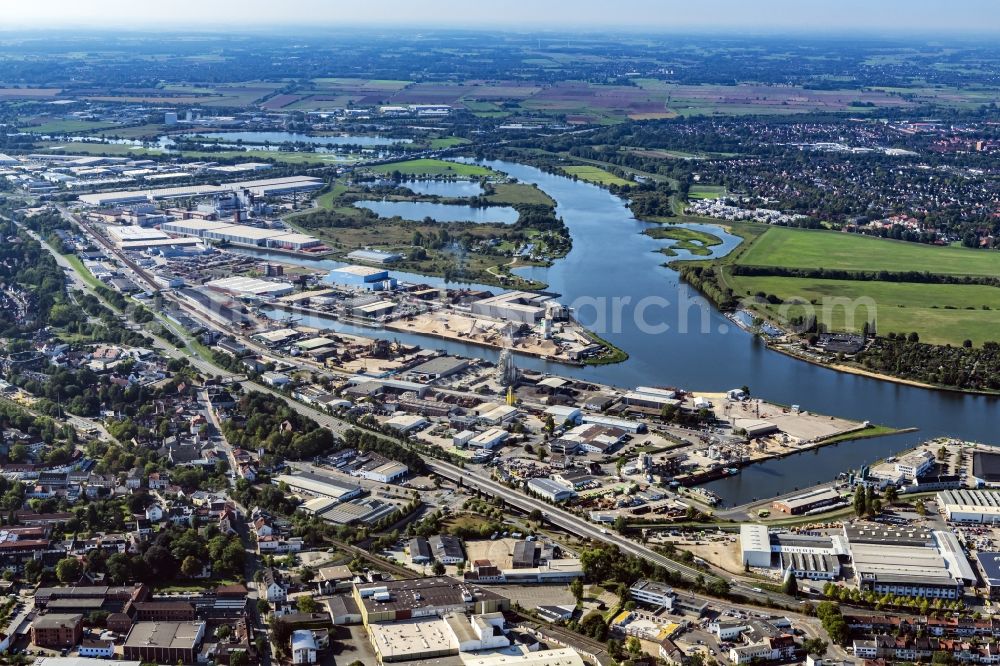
pixel 798 248
pixel 596 175
pixel 430 167
pixel 939 313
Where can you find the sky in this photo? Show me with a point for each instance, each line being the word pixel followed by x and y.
pixel 924 16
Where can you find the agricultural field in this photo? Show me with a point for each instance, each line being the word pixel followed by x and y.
pixel 797 248
pixel 940 313
pixel 68 127
pixel 432 168
pixel 596 175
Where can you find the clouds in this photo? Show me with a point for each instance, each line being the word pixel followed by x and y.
pixel 755 15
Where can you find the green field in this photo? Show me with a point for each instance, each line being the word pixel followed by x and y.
pixel 68 127
pixel 447 142
pixel 706 192
pixel 519 193
pixel 940 313
pixel 428 167
pixel 797 248
pixel 82 148
pixel 596 175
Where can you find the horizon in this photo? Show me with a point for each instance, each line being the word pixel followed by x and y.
pixel 891 17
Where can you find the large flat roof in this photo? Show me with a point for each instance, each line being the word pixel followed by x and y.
pixel 199 190
pixel 413 593
pixel 178 635
pixel 401 640
pixel 981 501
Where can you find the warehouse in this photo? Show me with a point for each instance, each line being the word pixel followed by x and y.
pixel 970 506
pixel 489 439
pixel 264 188
pixel 651 398
pixel 550 490
pixel 393 600
pixel 755 545
pixel 318 486
pixel 242 234
pixel 138 246
pixel 811 567
pixel 197 228
pixel 374 256
pixel 806 502
pixel 247 286
pixel 989 562
pixel 374 310
pixel 907 563
pixel 440 367
pixel 414 639
pixel 360 277
pixel 519 306
pixel 367 510
pixel 165 642
pixel 119 235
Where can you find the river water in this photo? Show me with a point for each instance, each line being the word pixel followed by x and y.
pixel 420 210
pixel 615 280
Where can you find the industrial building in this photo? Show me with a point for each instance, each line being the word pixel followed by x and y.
pixel 806 502
pixel 241 234
pixel 913 563
pixel 755 545
pixel 970 506
pixel 986 468
pixel 248 286
pixel 362 277
pixel 318 486
pixel 653 593
pixel 447 548
pixel 550 490
pixel 394 600
pixel 374 256
pixel 651 398
pixel 133 233
pixel 57 630
pixel 517 306
pixel 264 188
pixel 165 642
pixel 989 562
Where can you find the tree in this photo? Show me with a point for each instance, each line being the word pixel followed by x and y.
pixel 263 607
pixel 920 508
pixel 891 494
pixel 307 575
pixel 790 585
pixel 239 658
pixel 306 604
pixel 859 502
pixel 816 646
pixel 576 587
pixel 191 566
pixel 223 631
pixel 437 568
pixel 68 570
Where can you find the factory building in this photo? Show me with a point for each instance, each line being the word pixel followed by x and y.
pixel 362 277
pixel 550 490
pixel 755 545
pixel 242 234
pixel 374 256
pixel 516 306
pixel 264 188
pixel 247 286
pixel 970 506
pixel 913 563
pixel 806 502
pixel 165 642
pixel 133 233
pixel 395 600
pixel 651 398
pixel 318 486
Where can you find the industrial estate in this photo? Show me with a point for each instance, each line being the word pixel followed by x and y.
pixel 317 356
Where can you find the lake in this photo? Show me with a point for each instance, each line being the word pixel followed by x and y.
pixel 418 210
pixel 444 188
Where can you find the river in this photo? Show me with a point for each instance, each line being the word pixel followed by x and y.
pixel 674 338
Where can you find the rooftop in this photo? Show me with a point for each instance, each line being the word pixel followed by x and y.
pixel 178 635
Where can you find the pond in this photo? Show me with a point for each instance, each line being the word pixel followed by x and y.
pixel 444 188
pixel 419 210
